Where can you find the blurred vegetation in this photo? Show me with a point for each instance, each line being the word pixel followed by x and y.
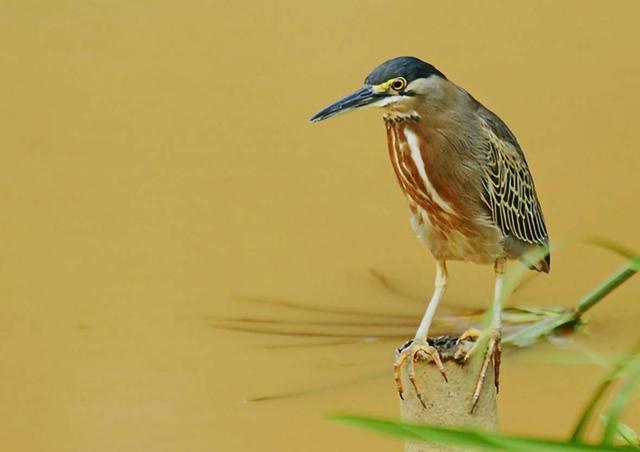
pixel 617 386
pixel 615 435
pixel 292 324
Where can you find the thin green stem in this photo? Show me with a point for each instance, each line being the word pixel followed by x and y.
pixel 546 326
pixel 593 297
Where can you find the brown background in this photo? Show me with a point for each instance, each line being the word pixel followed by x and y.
pixel 156 162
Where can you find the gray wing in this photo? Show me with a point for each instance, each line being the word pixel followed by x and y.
pixel 508 189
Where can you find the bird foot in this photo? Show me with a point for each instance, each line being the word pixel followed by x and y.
pixel 413 351
pixel 493 354
pixel 471 333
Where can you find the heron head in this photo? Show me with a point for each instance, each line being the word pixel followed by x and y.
pixel 394 83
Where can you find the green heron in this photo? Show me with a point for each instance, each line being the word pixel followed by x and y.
pixel 466 180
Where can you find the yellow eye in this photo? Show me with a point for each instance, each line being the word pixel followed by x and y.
pixel 398 84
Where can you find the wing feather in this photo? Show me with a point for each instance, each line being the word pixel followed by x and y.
pixel 509 191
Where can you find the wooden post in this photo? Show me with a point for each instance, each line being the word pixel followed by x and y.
pixel 448 403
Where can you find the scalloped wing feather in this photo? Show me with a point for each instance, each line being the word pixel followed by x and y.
pixel 509 191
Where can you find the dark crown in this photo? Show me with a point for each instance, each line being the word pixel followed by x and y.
pixel 410 68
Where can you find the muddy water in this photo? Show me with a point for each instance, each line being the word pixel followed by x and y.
pixel 156 166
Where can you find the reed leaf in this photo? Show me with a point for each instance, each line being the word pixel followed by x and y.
pixel 621 400
pixel 466 438
pixel 611 376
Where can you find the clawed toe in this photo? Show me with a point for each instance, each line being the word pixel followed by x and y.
pixel 471 333
pixel 493 353
pixel 413 351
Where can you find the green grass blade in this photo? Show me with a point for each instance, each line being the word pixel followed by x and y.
pixel 470 439
pixel 625 433
pixel 621 400
pixel 630 269
pixel 532 333
pixel 581 427
pixel 611 245
pixel 593 297
pixel 628 435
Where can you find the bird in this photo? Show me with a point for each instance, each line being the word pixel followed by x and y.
pixel 468 186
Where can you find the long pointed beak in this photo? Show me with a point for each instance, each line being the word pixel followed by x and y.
pixel 360 98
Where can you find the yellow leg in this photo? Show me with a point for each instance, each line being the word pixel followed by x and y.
pixel 494 350
pixel 419 344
